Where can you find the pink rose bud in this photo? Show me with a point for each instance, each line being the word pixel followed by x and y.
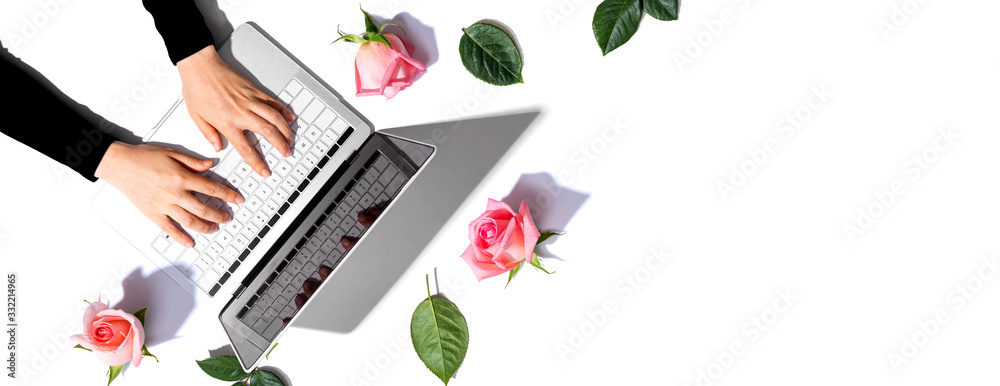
pixel 380 70
pixel 500 239
pixel 115 336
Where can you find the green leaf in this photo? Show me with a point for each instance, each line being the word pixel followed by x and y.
pixel 513 272
pixel 377 37
pixel 546 235
pixel 83 348
pixel 440 335
pixel 382 28
pixel 661 9
pixel 490 54
pixel 113 372
pixel 370 25
pixel 141 315
pixel 266 356
pixel 615 21
pixel 264 378
pixel 145 352
pixel 223 368
pixel 537 263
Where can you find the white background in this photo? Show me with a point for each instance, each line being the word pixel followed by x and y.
pixel 654 185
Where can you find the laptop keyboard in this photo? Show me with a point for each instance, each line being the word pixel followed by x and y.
pixel 319 133
pixel 373 186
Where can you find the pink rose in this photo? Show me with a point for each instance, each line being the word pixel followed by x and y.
pixel 380 70
pixel 500 239
pixel 115 336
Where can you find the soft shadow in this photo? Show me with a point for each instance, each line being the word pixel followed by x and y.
pixel 224 350
pixel 170 304
pixel 420 35
pixel 552 206
pixel 465 153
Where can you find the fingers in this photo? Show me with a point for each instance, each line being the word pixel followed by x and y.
pixel 247 152
pixel 192 163
pixel 324 272
pixel 210 133
pixel 202 210
pixel 267 111
pixel 310 286
pixel 190 221
pixel 348 242
pixel 300 300
pixel 271 133
pixel 211 188
pixel 171 230
pixel 276 105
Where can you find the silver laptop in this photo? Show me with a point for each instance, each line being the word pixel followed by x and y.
pixel 291 224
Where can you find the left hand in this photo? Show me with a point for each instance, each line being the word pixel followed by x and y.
pixel 220 100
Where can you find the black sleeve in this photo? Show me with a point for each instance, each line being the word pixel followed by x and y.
pixel 181 25
pixel 61 133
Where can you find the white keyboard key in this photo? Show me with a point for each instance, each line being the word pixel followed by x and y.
pixel 270 207
pixel 243 170
pixel 300 102
pixel 285 97
pixel 194 272
pixel 220 265
pixel 233 227
pixel 312 112
pixel 224 238
pixel 302 146
pixel 187 258
pixel 280 194
pixel 271 160
pixel 339 126
pixel 208 280
pixel 273 181
pixel 283 168
pixel 228 164
pixel 200 243
pixel 313 133
pixel 214 251
pixel 320 149
pixel 204 262
pixel 249 185
pixel 230 255
pixel 263 192
pixel 174 251
pixel 293 87
pixel 260 219
pixel 240 242
pixel 289 184
pixel 161 243
pixel 300 172
pixel 253 203
pixel 243 215
pixel 309 161
pixel 329 137
pixel 325 118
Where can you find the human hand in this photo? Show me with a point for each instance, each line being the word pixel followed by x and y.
pixel 220 100
pixel 160 182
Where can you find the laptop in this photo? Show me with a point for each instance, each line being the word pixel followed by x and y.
pixel 291 224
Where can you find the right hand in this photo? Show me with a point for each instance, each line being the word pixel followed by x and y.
pixel 160 182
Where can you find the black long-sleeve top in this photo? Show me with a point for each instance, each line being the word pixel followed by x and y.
pixel 67 136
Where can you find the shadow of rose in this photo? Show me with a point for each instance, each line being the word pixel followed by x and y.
pixel 169 303
pixel 552 206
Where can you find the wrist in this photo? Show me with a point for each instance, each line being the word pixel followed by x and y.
pixel 199 59
pixel 107 165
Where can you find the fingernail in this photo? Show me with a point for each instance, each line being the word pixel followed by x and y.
pixel 239 199
pixel 288 153
pixel 189 243
pixel 265 173
pixel 207 162
pixel 216 146
pixel 215 228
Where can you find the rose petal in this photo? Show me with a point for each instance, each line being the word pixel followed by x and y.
pixel 117 356
pixel 481 270
pixel 531 233
pixel 90 313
